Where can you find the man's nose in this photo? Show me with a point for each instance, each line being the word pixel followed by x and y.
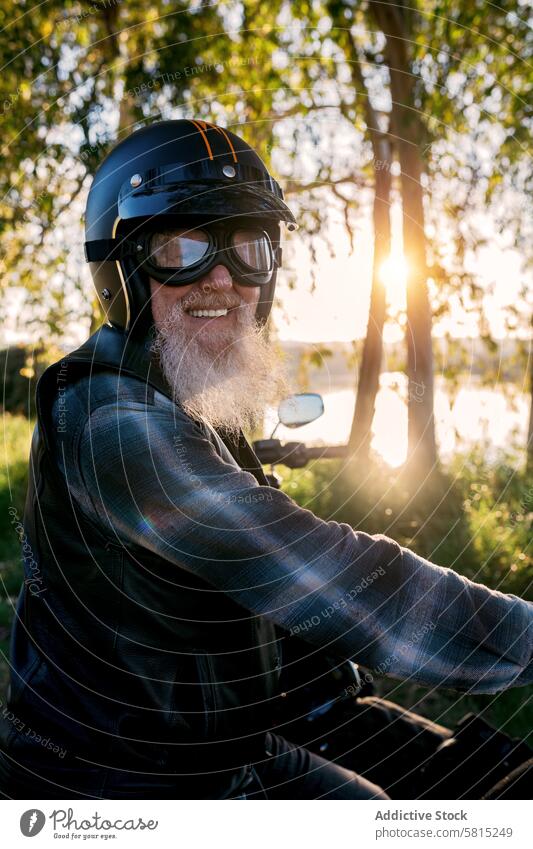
pixel 218 279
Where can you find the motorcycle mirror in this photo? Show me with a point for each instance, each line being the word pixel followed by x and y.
pixel 300 409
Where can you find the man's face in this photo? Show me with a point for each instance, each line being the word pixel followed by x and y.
pixel 214 356
pixel 215 293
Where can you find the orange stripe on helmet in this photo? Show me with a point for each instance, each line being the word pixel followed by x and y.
pixel 204 136
pixel 205 124
pixel 224 133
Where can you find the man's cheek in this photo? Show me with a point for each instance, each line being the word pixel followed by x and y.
pixel 249 294
pixel 254 298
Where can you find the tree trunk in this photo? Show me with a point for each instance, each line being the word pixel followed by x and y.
pixel 368 384
pixel 370 368
pixel 422 449
pixel 394 22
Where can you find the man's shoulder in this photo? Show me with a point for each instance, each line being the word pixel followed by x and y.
pixel 106 396
pixel 82 399
pixel 84 392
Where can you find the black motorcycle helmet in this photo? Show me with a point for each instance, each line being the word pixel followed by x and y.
pixel 170 174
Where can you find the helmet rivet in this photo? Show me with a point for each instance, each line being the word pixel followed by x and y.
pixel 106 294
pixel 136 180
pixel 229 171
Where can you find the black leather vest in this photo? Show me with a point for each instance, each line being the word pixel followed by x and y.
pixel 119 657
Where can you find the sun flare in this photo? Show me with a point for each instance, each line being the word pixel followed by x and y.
pixel 393 272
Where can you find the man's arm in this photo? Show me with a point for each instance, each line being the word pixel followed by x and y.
pixel 152 479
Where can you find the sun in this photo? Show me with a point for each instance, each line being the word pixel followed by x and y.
pixel 393 272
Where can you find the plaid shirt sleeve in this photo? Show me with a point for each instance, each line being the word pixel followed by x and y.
pixel 152 477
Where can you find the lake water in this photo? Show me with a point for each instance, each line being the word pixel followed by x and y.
pixel 464 415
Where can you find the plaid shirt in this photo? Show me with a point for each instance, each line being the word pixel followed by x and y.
pixel 152 477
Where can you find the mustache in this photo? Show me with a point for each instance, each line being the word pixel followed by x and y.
pixel 210 300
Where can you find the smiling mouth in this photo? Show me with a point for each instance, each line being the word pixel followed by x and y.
pixel 208 313
pixel 220 310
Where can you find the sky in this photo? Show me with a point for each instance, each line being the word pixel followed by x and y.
pixel 338 308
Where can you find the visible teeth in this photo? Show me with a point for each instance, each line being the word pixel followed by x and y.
pixel 207 313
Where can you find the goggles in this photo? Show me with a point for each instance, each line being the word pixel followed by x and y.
pixel 178 256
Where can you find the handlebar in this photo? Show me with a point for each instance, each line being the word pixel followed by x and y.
pixel 295 455
pixel 326 452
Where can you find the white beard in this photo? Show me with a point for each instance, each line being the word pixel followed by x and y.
pixel 226 378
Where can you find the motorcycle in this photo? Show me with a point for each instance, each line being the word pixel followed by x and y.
pixel 329 705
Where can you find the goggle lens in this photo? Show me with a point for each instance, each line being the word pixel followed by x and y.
pixel 183 248
pixel 253 248
pixel 178 248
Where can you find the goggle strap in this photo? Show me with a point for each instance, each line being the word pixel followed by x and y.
pixel 111 250
pixel 100 250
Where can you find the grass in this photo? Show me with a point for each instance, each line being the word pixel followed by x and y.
pixel 17 432
pixel 510 711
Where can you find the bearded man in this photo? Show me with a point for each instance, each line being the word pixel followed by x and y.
pixel 163 576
